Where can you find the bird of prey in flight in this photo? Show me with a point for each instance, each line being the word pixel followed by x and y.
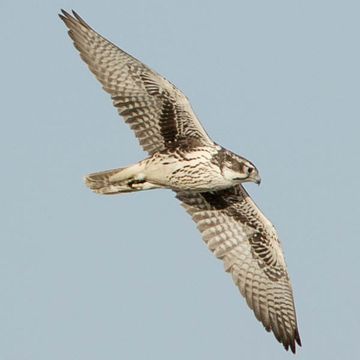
pixel 206 177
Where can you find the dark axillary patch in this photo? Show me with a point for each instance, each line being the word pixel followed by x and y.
pixel 217 199
pixel 224 200
pixel 167 121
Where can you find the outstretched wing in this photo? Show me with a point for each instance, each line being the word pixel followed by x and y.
pixel 237 232
pixel 160 115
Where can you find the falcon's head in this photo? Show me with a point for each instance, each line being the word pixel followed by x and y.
pixel 238 169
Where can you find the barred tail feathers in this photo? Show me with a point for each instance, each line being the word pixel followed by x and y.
pixel 117 181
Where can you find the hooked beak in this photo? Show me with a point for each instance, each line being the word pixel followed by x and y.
pixel 257 179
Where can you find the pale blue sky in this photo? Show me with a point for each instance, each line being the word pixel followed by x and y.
pixel 128 277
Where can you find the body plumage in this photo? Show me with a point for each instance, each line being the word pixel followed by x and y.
pixel 199 169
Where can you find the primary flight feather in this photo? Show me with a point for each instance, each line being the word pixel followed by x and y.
pixel 206 177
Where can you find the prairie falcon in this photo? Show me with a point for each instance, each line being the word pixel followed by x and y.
pixel 206 177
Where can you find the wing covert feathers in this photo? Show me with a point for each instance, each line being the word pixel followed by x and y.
pixel 237 232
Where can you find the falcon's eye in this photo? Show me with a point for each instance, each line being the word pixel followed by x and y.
pixel 250 170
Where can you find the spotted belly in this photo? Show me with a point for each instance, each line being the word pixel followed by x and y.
pixel 192 171
pixel 199 177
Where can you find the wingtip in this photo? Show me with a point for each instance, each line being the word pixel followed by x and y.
pixel 64 14
pixel 76 15
pixel 61 14
pixel 292 344
pixel 72 18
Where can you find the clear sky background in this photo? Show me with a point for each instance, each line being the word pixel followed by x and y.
pixel 128 277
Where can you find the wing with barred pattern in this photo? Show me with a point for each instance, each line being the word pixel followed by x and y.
pixel 160 115
pixel 237 232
